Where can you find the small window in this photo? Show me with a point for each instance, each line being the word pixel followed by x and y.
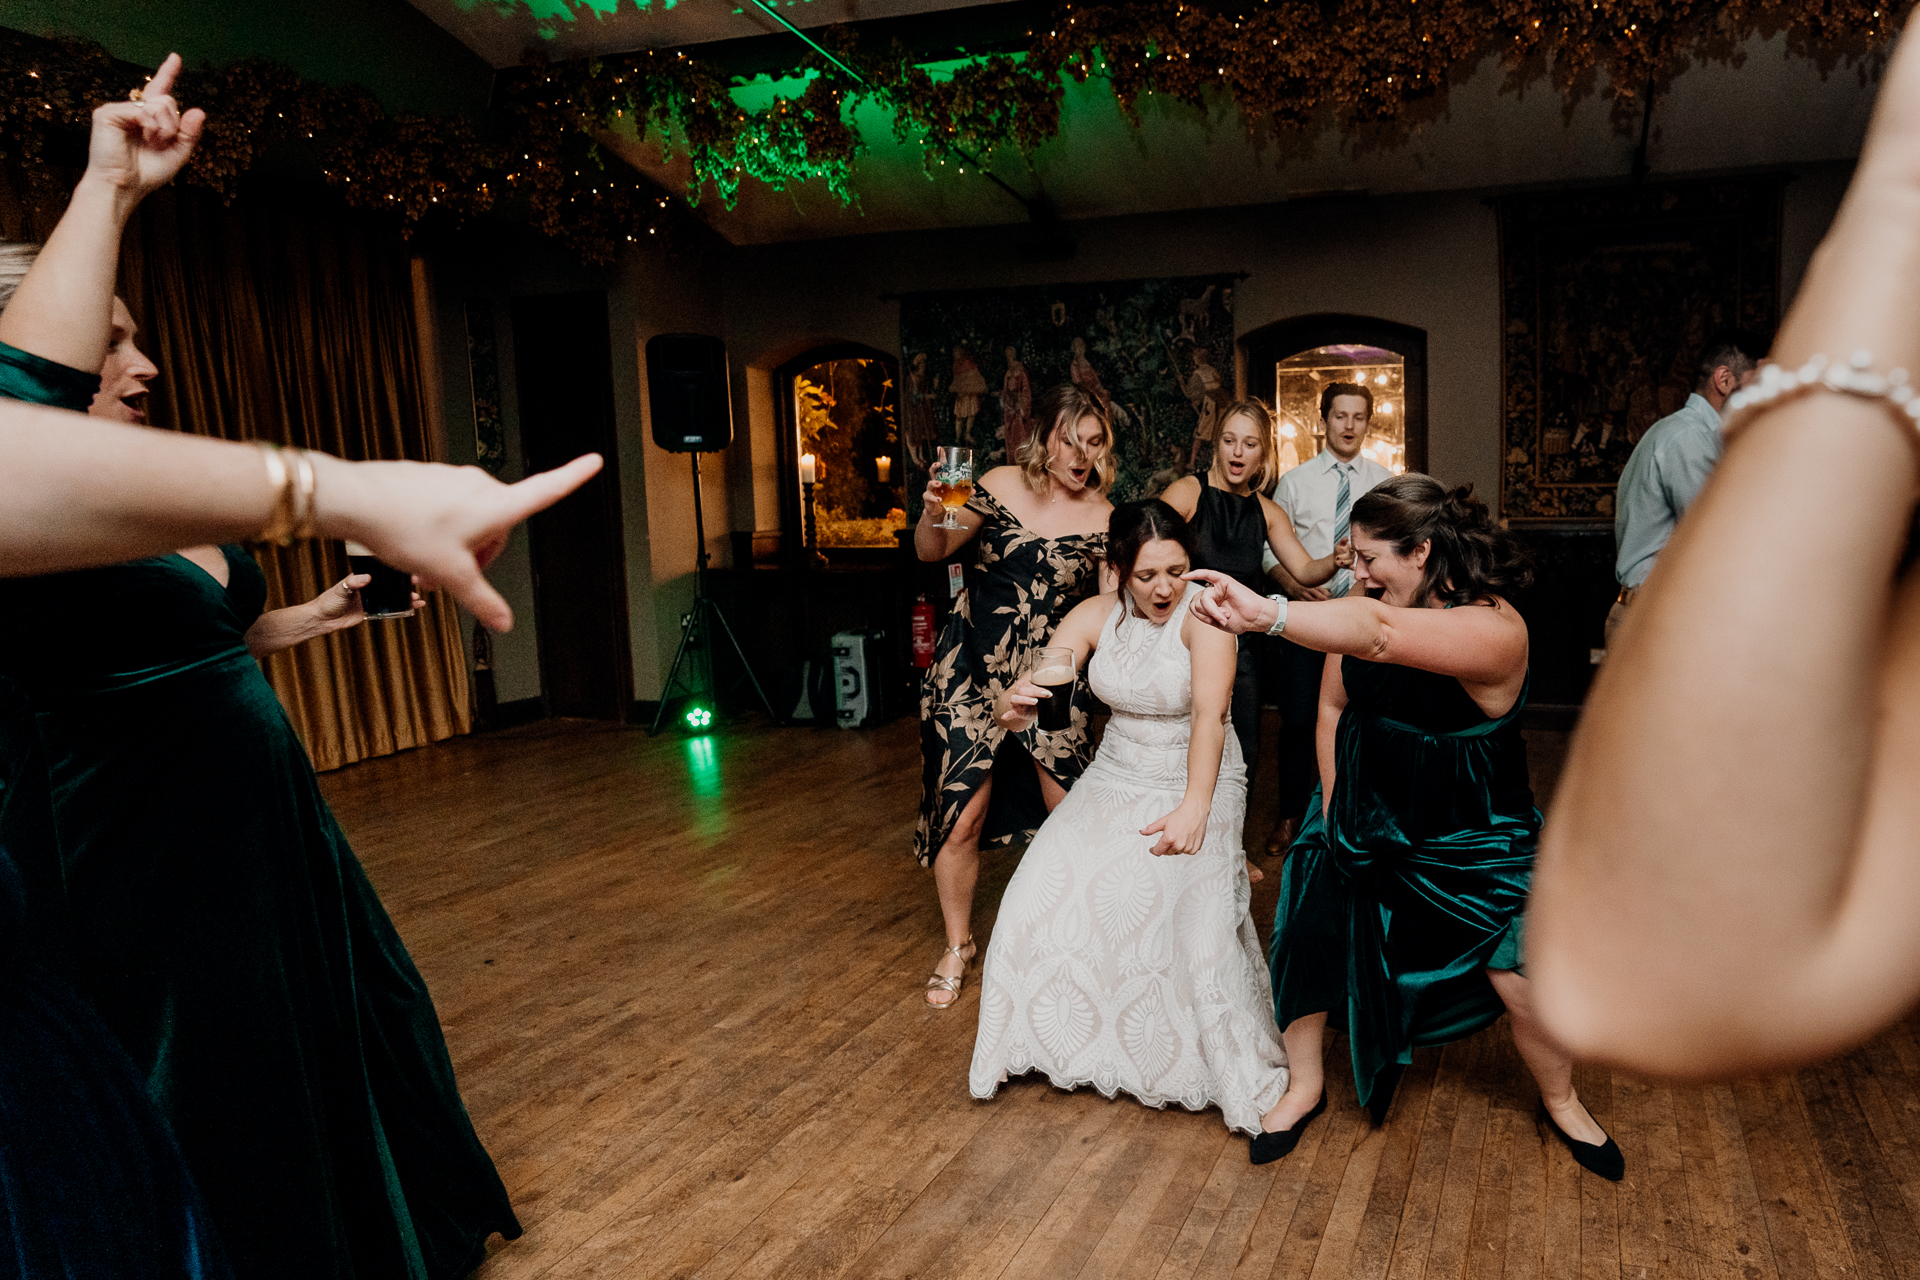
pixel 844 411
pixel 1299 381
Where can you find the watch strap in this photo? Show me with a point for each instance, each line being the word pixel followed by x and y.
pixel 1280 615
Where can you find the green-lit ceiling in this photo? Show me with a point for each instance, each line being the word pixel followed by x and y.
pixel 500 30
pixel 1773 110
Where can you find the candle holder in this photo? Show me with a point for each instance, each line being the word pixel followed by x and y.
pixel 810 535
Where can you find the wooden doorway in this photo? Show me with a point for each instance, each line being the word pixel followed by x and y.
pixel 880 436
pixel 563 364
pixel 1267 347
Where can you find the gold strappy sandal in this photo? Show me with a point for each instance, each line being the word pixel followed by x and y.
pixel 952 985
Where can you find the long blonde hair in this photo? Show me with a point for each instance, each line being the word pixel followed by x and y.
pixel 1064 405
pixel 15 261
pixel 1269 473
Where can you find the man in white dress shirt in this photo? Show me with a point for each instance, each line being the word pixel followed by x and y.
pixel 1318 495
pixel 1671 464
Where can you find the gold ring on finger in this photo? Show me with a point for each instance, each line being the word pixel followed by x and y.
pixel 136 94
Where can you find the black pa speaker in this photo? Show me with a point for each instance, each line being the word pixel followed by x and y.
pixel 687 387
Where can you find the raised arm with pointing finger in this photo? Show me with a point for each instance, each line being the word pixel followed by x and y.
pixel 75 492
pixel 63 310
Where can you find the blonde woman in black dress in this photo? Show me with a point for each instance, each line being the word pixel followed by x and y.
pixel 1233 521
pixel 1042 529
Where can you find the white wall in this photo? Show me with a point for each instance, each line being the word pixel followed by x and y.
pixel 516 657
pixel 650 292
pixel 656 294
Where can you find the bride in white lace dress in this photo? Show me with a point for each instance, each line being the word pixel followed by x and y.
pixel 1109 965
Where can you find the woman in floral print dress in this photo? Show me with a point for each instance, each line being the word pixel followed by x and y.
pixel 1042 526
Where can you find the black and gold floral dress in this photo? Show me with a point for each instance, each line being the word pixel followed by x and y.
pixel 1021 587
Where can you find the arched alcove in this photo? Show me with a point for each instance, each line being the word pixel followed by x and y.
pixel 844 398
pixel 1305 349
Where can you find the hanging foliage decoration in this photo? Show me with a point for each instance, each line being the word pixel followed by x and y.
pixel 1283 64
pixel 404 165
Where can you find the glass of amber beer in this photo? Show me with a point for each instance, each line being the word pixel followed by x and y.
pixel 953 471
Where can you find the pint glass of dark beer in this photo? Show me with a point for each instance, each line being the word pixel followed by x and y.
pixel 390 594
pixel 1053 671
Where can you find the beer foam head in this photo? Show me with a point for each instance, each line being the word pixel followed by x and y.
pixel 1053 675
pixel 356 549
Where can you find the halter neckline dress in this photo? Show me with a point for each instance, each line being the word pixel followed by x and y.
pixel 1110 966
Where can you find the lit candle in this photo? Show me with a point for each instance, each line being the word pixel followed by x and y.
pixel 808 473
pixel 885 464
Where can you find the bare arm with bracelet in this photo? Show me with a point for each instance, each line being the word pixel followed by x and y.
pixel 75 491
pixel 1728 878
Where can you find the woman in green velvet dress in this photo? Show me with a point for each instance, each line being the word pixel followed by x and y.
pixel 195 888
pixel 1401 906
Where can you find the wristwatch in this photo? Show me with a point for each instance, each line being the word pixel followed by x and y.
pixel 1280 615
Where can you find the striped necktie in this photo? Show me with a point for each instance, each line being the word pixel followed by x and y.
pixel 1342 580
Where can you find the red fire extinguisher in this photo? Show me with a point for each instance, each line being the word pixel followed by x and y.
pixel 922 633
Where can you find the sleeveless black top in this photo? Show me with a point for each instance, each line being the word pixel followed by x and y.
pixel 1228 533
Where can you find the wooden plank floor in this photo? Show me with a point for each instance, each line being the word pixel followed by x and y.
pixel 681 982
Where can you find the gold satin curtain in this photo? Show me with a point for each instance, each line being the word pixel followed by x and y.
pixel 277 320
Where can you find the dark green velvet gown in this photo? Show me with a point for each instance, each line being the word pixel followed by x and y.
pixel 91 1181
pixel 1393 906
pixel 201 897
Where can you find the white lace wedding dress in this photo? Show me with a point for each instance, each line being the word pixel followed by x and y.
pixel 1111 967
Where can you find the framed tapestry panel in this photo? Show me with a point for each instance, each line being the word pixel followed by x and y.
pixel 1158 353
pixel 1606 297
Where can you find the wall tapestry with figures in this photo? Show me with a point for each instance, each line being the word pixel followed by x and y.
pixel 1158 353
pixel 1606 297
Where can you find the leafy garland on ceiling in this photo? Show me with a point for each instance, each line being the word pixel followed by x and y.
pixel 407 166
pixel 1281 63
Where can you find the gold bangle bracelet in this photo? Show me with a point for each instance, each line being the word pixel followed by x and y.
pixel 304 491
pixel 280 518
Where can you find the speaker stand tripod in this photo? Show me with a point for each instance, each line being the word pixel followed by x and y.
pixel 697 629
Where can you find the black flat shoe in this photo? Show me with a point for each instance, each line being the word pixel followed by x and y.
pixel 1265 1148
pixel 1603 1158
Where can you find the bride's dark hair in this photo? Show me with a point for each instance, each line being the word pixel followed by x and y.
pixel 1134 524
pixel 1473 557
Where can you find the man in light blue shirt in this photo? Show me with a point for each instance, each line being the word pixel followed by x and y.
pixel 1671 463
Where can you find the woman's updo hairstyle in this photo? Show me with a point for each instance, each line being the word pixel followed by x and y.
pixel 1134 524
pixel 1472 557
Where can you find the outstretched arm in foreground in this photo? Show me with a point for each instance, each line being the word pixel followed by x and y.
pixel 75 491
pixel 1730 875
